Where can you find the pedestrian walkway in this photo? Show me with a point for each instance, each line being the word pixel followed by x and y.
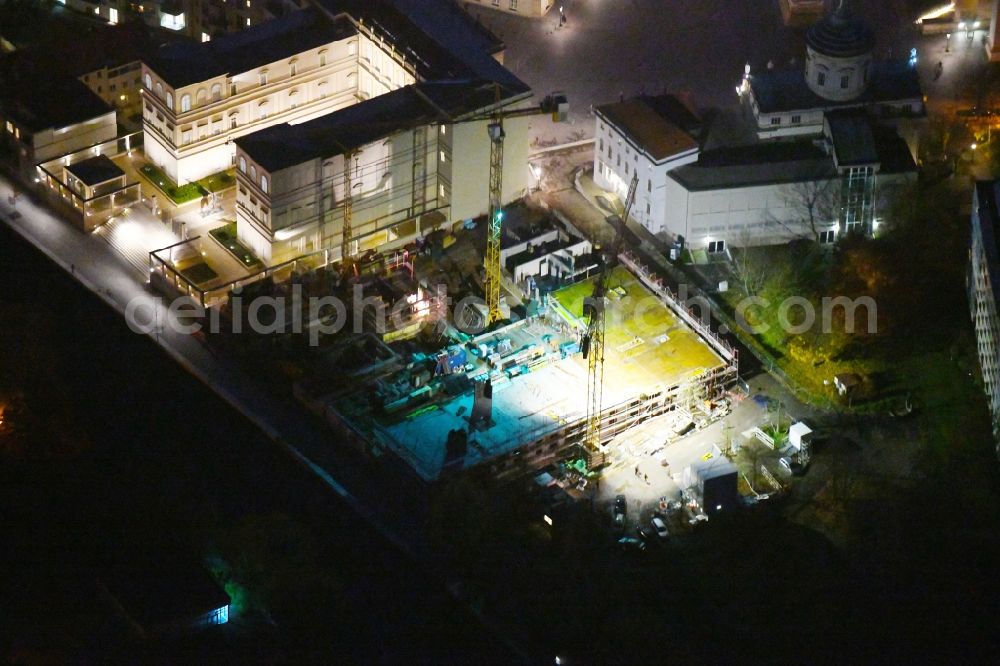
pixel 134 236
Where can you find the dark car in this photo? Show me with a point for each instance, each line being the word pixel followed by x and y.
pixel 619 512
pixel 631 544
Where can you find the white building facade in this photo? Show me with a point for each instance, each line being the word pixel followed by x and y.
pixel 411 175
pixel 639 136
pixel 189 124
pixel 984 291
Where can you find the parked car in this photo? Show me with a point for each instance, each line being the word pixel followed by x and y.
pixel 660 527
pixel 646 534
pixel 631 544
pixel 619 512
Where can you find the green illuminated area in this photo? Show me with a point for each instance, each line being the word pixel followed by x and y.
pixel 645 343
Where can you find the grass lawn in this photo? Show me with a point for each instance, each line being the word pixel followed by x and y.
pixel 218 181
pixel 178 194
pixel 226 235
pixel 199 273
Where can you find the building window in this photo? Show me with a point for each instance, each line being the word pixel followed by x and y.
pixel 775 120
pixel 243 164
pixel 647 208
pixel 796 120
pixel 149 82
pixel 263 78
pixel 513 5
pixel 292 69
pixel 233 122
pixel 232 89
pixel 600 145
pixel 185 136
pixel 159 90
pixel 322 58
pixel 263 184
pixel 185 103
pixel 717 247
pixel 253 174
pixel 216 92
pixel 649 185
pixel 826 237
pixel 821 78
pixel 844 80
pixel 444 158
pixel 444 130
pixel 170 101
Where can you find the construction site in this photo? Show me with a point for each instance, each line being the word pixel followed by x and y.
pixel 515 397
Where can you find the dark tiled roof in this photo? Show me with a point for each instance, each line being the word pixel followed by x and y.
pixel 38 102
pixel 894 155
pixel 841 34
pixel 184 63
pixel 439 39
pixel 786 90
pixel 282 146
pixel 852 137
pixel 650 123
pixel 759 164
pixel 95 170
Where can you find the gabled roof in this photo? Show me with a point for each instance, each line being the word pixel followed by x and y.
pixel 653 124
pixel 282 146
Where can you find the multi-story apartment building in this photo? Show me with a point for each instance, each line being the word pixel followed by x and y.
pixel 984 290
pixel 200 97
pixel 417 158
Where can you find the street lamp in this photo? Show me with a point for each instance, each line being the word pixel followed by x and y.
pixel 947 43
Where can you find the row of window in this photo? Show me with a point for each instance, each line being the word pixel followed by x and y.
pixel 202 96
pixel 776 120
pixel 512 5
pixel 253 174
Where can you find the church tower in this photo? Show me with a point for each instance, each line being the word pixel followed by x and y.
pixel 839 56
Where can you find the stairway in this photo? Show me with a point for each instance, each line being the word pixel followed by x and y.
pixel 134 238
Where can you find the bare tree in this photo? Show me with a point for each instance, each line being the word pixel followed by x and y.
pixel 816 203
pixel 750 265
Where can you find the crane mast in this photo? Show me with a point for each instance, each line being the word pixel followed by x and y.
pixel 593 339
pixel 346 230
pixel 491 282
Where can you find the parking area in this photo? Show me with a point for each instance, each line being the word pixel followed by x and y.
pixel 650 459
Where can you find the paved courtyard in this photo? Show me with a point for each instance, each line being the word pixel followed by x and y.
pixel 696 47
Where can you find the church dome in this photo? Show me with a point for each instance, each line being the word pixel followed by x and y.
pixel 840 35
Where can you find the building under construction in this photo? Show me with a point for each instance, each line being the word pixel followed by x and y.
pixel 515 398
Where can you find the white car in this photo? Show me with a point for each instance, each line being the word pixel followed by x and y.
pixel 660 527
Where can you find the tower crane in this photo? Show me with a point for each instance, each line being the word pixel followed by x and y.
pixel 593 339
pixel 554 104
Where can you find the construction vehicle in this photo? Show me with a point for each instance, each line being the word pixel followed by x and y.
pixel 593 340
